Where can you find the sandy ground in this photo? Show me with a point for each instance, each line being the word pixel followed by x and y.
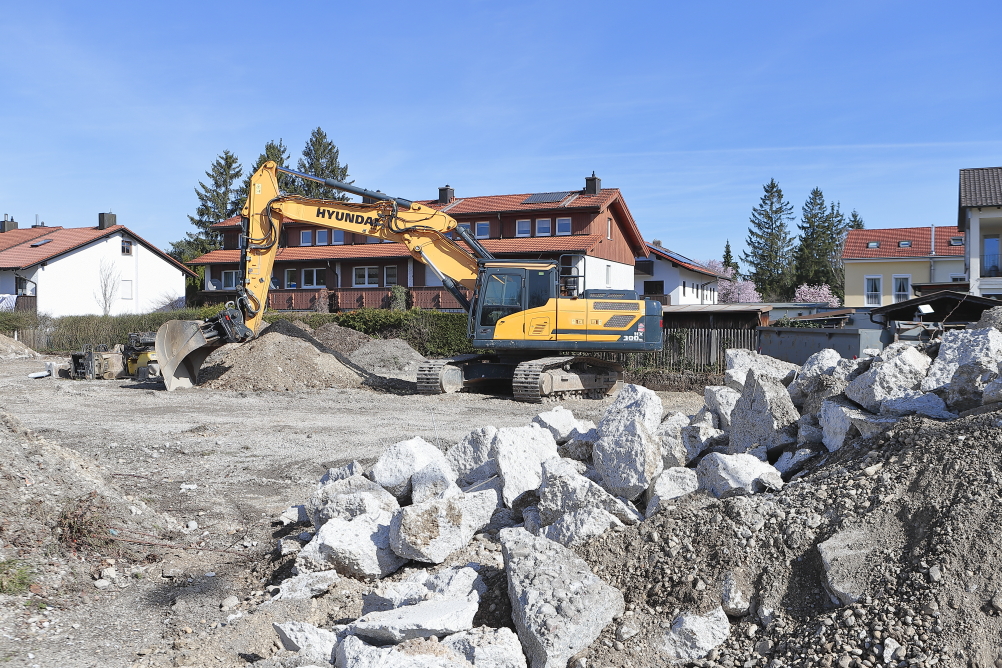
pixel 251 455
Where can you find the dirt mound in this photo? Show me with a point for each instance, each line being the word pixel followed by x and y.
pixel 387 355
pixel 303 326
pixel 12 350
pixel 922 503
pixel 342 340
pixel 51 494
pixel 284 357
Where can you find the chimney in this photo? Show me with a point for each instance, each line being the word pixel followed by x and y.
pixel 38 224
pixel 593 184
pixel 106 220
pixel 446 194
pixel 8 224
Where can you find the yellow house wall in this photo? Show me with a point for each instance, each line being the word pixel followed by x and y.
pixel 855 273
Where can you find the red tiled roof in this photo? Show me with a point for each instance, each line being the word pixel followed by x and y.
pixel 682 260
pixel 581 242
pixel 502 203
pixel 888 238
pixel 229 222
pixel 15 237
pixel 64 240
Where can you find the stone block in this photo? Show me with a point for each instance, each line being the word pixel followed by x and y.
pixel 359 547
pixel 632 403
pixel 341 473
pixel 763 416
pixel 400 461
pixel 580 526
pixel 736 594
pixel 671 484
pixel 473 457
pixel 436 617
pixel 962 346
pixel 559 606
pixel 629 459
pixel 348 498
pixel 520 456
pixel 967 386
pixel 721 399
pixel 844 557
pixel 437 480
pixel 809 430
pixel 669 434
pixel 433 530
pixel 579 445
pixel 306 586
pixel 727 475
pixel 916 402
pixel 836 422
pixel 485 647
pixel 692 635
pixel 741 361
pixel 562 424
pixel 564 490
pixel 306 638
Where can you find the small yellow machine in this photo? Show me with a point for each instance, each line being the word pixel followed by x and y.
pixel 533 316
pixel 137 359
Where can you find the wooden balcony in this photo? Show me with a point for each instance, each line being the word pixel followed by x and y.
pixel 349 299
pixel 26 303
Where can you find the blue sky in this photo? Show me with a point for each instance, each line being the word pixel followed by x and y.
pixel 687 107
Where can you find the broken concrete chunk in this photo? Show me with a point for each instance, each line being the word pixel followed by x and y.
pixel 305 586
pixel 726 475
pixel 580 526
pixel 437 617
pixel 915 402
pixel 763 416
pixel 808 430
pixel 993 392
pixel 579 445
pixel 669 434
pixel 457 582
pixel 437 480
pixel 294 514
pixel 700 438
pixel 353 652
pixel 359 547
pixel 400 461
pixel 340 473
pixel 821 363
pixel 486 647
pixel 391 595
pixel 720 399
pixel 817 389
pixel 348 498
pixel 692 636
pixel 306 638
pixel 433 530
pixel 629 459
pixel 562 424
pixel 836 422
pixel 558 605
pixel 470 457
pixel 890 380
pixel 520 465
pixel 671 484
pixel 632 403
pixel 735 595
pixel 844 557
pixel 962 346
pixel 871 425
pixel 792 461
pixel 966 389
pixel 564 490
pixel 740 361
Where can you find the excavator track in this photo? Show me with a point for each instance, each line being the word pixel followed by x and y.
pixel 554 379
pixel 442 376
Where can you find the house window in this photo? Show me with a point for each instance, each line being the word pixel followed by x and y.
pixel 322 237
pixel 654 287
pixel 337 237
pixel 483 230
pixel 563 227
pixel 683 288
pixel 956 241
pixel 958 278
pixel 902 287
pixel 21 286
pixel 366 277
pixel 373 240
pixel 230 279
pixel 306 238
pixel 126 247
pixel 608 275
pixel 872 288
pixel 314 278
pixel 291 282
pixel 126 289
pixel 274 282
pixel 543 227
pixel 523 228
pixel 904 244
pixel 390 275
pixel 608 227
pixel 873 244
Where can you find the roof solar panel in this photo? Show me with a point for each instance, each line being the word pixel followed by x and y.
pixel 540 198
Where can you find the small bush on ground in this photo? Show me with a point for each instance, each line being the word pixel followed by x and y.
pixel 15 576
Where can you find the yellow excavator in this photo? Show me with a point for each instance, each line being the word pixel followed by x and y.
pixel 533 318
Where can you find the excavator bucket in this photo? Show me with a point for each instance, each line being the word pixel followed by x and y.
pixel 181 348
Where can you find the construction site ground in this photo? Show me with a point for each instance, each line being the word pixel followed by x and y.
pixel 229 461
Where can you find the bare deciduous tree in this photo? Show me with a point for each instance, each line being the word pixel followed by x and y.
pixel 109 280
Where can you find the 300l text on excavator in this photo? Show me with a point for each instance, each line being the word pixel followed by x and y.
pixel 532 318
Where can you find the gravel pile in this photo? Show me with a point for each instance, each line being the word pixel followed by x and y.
pixel 284 357
pixel 342 340
pixel 386 355
pixel 12 350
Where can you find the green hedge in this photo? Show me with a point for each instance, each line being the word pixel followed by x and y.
pixel 431 333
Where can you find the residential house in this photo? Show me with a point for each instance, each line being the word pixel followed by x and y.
pixel 64 271
pixel 674 279
pixel 590 231
pixel 979 217
pixel 884 266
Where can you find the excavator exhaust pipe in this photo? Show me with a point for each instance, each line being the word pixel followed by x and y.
pixel 182 346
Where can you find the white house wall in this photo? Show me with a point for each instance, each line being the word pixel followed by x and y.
pixel 673 275
pixel 605 274
pixel 69 284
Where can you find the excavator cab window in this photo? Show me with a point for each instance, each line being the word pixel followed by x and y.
pixel 502 296
pixel 540 287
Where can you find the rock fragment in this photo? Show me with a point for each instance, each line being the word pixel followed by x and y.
pixel 580 526
pixel 485 647
pixel 473 457
pixel 400 461
pixel 844 557
pixel 564 490
pixel 726 475
pixel 692 636
pixel 306 638
pixel 915 402
pixel 433 530
pixel 739 361
pixel 632 403
pixel 520 456
pixel 962 346
pixel 721 399
pixel 966 388
pixel 669 435
pixel 359 547
pixel 735 597
pixel 889 380
pixel 437 617
pixel 836 422
pixel 305 586
pixel 562 424
pixel 347 498
pixel 629 459
pixel 671 484
pixel 436 480
pixel 558 605
pixel 764 415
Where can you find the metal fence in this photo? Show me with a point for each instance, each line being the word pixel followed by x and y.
pixel 686 349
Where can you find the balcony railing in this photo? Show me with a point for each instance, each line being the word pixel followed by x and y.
pixel 349 299
pixel 990 266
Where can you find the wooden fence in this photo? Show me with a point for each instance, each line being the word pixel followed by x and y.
pixel 698 350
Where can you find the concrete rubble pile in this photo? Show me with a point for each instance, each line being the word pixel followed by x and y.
pixel 570 502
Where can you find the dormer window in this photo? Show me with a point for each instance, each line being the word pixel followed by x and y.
pixel 873 244
pixel 904 244
pixel 956 241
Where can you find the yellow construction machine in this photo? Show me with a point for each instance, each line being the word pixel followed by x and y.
pixel 533 318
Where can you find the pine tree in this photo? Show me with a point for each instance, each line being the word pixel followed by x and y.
pixel 321 158
pixel 728 259
pixel 219 200
pixel 855 221
pixel 811 256
pixel 278 153
pixel 769 243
